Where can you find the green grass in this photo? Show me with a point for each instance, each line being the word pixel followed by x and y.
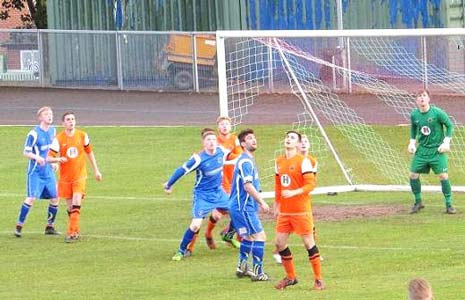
pixel 131 229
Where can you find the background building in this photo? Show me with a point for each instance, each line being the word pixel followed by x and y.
pixel 211 15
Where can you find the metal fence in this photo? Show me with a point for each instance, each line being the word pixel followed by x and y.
pixel 109 59
pixel 187 61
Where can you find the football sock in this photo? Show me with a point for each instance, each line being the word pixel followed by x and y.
pixel 415 184
pixel 191 245
pixel 315 261
pixel 257 256
pixel 210 225
pixel 446 190
pixel 52 214
pixel 23 211
pixel 186 239
pixel 244 251
pixel 74 219
pixel 288 263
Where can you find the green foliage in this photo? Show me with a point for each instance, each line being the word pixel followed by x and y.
pixel 131 229
pixel 33 13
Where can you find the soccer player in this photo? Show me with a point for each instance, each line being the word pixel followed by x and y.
pixel 208 196
pixel 304 149
pixel 245 201
pixel 295 179
pixel 433 129
pixel 41 181
pixel 70 148
pixel 228 142
pixel 419 289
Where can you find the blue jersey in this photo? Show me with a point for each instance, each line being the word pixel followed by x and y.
pixel 244 172
pixel 38 142
pixel 208 171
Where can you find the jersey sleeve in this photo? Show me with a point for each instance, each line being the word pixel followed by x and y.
pixel 444 119
pixel 87 144
pixel 189 166
pixel 246 171
pixel 234 153
pixel 31 141
pixel 308 173
pixel 54 148
pixel 277 183
pixel 413 128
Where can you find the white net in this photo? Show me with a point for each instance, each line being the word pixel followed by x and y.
pixel 406 59
pixel 255 65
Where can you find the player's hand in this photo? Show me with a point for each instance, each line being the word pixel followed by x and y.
pixel 412 146
pixel 98 176
pixel 62 159
pixel 265 207
pixel 40 160
pixel 288 193
pixel 275 209
pixel 166 188
pixel 55 166
pixel 445 146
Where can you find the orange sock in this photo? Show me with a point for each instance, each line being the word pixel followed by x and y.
pixel 288 263
pixel 315 262
pixel 191 245
pixel 73 226
pixel 210 225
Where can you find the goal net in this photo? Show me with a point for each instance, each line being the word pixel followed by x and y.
pixel 347 91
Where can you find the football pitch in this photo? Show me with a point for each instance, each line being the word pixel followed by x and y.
pixel 130 230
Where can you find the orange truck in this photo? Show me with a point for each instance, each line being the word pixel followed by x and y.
pixel 177 58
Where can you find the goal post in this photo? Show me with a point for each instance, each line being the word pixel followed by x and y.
pixel 321 70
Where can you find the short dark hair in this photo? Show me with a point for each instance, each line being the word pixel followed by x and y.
pixel 207 131
pixel 243 134
pixel 293 131
pixel 66 114
pixel 423 91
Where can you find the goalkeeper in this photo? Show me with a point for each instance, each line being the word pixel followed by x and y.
pixel 433 129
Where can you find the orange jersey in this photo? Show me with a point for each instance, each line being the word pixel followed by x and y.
pixel 74 148
pixel 229 144
pixel 294 173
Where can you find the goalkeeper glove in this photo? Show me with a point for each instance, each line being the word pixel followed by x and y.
pixel 445 146
pixel 412 146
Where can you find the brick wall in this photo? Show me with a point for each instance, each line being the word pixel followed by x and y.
pixel 14 21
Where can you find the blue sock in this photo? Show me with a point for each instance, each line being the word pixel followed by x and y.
pixel 24 210
pixel 52 214
pixel 258 250
pixel 186 239
pixel 244 251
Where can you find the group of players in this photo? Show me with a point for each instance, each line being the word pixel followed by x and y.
pixel 227 181
pixel 47 152
pixel 295 179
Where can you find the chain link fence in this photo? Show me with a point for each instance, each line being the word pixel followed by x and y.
pixel 162 61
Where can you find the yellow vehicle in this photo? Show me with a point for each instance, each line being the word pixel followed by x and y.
pixel 178 58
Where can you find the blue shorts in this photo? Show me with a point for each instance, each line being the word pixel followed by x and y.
pixel 41 188
pixel 246 223
pixel 205 202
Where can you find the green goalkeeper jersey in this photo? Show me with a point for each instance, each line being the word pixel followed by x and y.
pixel 428 127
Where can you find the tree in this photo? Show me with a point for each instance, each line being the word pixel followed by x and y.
pixel 37 13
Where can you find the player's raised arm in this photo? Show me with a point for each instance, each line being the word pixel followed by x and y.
pixel 189 166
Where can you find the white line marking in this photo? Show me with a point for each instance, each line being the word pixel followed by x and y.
pixel 161 240
pixel 131 198
pixel 111 197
